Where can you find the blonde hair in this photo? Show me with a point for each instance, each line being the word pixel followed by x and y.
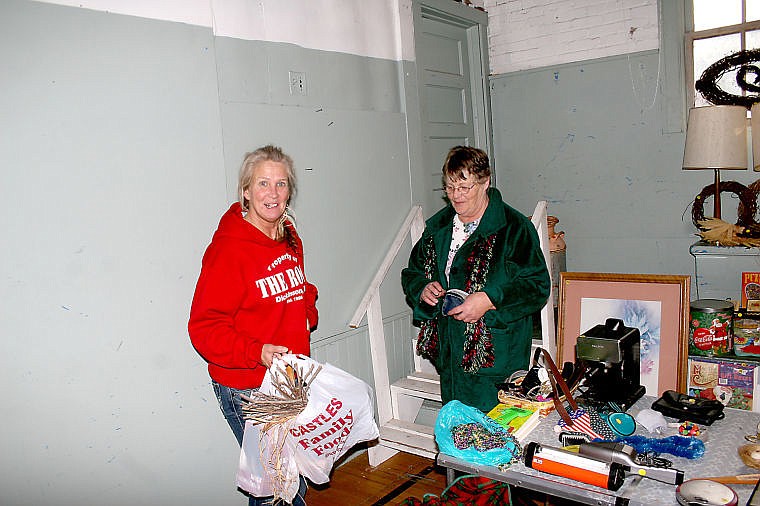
pixel 268 153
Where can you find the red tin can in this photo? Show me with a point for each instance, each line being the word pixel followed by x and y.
pixel 710 328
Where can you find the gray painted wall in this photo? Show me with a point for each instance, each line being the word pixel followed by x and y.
pixel 111 170
pixel 581 137
pixel 602 141
pixel 348 139
pixel 121 140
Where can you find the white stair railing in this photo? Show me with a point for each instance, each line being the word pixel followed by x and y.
pixel 539 220
pixel 414 224
pixel 396 404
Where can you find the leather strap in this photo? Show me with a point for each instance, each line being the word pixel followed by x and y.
pixel 558 382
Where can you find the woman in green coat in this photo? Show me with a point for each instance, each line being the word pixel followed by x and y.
pixel 489 250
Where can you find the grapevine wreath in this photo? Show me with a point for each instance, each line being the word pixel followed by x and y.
pixel 746 232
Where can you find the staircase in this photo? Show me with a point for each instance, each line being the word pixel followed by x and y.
pixel 399 404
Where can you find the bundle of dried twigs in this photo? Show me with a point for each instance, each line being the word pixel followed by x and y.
pixel 290 398
pixel 717 231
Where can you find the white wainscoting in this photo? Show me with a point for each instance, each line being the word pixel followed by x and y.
pixel 350 350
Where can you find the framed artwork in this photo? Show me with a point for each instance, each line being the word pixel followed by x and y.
pixel 656 304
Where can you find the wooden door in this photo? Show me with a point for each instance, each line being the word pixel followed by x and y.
pixel 452 70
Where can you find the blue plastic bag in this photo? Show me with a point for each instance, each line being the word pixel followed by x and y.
pixel 455 413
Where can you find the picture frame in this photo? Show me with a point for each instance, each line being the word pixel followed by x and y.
pixel 657 302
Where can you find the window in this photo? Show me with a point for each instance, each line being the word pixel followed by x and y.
pixel 718 29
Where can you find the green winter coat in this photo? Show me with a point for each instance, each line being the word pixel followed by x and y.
pixel 518 285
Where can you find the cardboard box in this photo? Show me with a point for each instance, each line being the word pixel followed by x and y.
pixel 751 291
pixel 725 378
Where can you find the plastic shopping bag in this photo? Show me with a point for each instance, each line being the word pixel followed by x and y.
pixel 455 415
pixel 338 415
pixel 265 468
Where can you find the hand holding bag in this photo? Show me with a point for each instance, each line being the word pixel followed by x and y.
pixel 339 414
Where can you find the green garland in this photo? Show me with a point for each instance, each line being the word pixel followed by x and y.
pixel 427 340
pixel 478 346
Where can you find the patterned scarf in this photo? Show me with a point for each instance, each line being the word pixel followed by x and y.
pixel 478 348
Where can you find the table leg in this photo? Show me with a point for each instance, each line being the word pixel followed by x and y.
pixel 450 475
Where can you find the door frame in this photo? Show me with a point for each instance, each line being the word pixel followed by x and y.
pixel 475 22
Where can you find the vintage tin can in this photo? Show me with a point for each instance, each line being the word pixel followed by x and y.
pixel 746 334
pixel 710 330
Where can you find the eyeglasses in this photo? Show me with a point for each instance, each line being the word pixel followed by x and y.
pixel 464 190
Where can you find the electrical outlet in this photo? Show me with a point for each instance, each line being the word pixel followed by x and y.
pixel 297 83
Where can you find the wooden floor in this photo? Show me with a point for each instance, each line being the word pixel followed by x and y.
pixel 357 483
pixel 404 475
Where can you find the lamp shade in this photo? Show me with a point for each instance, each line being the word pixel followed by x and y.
pixel 716 138
pixel 755 129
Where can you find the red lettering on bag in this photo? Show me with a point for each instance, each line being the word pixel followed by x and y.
pixel 334 406
pixel 325 444
pixel 335 445
pixel 331 408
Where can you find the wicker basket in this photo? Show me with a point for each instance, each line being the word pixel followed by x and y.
pixel 544 407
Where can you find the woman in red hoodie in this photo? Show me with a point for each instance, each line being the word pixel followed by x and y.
pixel 252 301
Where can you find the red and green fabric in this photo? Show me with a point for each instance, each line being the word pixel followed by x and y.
pixel 467 491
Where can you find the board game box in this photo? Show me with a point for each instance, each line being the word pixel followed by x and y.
pixel 731 381
pixel 751 291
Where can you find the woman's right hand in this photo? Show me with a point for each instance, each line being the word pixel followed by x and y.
pixel 431 293
pixel 270 351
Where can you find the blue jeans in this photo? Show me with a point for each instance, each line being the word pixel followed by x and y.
pixel 232 408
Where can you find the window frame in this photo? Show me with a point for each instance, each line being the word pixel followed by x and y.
pixel 691 35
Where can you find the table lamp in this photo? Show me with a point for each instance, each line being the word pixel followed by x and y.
pixel 716 139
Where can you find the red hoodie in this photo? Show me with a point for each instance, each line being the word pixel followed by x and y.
pixel 251 291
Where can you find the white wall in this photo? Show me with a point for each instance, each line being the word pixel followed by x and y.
pixel 522 34
pixel 330 25
pixel 529 34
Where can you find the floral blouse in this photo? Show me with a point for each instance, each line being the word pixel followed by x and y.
pixel 459 235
